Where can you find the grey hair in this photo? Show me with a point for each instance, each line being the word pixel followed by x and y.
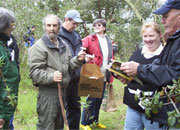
pixel 6 18
pixel 53 16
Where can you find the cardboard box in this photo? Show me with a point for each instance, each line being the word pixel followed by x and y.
pixel 91 81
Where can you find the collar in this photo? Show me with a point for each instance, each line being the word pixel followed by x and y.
pixel 155 53
pixel 100 36
pixel 48 43
pixel 4 37
pixel 175 35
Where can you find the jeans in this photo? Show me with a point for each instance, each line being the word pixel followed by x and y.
pixel 91 114
pixel 137 121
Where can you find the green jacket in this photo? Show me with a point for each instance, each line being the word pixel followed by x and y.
pixel 45 58
pixel 9 76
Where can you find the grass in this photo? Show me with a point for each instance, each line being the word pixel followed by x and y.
pixel 26 117
pixel 115 120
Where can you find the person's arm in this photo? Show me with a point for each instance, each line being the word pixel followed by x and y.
pixel 87 43
pixel 160 75
pixel 37 60
pixel 126 67
pixel 77 61
pixel 155 73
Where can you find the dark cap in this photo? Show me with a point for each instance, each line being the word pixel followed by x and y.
pixel 169 4
pixel 74 14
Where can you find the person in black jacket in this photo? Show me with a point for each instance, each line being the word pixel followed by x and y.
pixel 163 70
pixel 152 47
pixel 13 47
pixel 73 39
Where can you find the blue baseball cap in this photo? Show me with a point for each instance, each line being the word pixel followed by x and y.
pixel 169 4
pixel 74 14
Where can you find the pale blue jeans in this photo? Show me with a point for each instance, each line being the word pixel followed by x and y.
pixel 137 121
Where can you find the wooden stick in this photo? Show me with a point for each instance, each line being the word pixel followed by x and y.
pixel 62 107
pixel 174 105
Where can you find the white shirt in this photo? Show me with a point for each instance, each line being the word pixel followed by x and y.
pixel 148 55
pixel 105 51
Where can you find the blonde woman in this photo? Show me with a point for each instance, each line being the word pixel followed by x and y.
pixel 151 50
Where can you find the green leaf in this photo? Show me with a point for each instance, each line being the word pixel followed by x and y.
pixel 171 121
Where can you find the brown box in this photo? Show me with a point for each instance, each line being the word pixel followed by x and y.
pixel 91 81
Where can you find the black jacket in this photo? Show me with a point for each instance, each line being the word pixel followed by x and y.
pixel 161 73
pixel 12 45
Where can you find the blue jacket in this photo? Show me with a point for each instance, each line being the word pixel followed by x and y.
pixel 73 40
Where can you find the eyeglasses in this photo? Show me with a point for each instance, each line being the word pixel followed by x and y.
pixel 74 23
pixel 97 25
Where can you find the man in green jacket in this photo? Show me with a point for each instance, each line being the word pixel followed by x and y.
pixel 51 63
pixel 9 74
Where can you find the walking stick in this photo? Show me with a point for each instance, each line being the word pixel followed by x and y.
pixel 62 107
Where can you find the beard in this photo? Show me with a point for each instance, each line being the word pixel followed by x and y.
pixel 52 36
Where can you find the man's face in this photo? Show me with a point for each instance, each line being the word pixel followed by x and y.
pixel 171 21
pixel 52 27
pixel 71 25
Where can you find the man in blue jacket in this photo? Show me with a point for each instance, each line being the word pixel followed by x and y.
pixel 73 39
pixel 162 71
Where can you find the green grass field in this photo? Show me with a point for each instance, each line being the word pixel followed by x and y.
pixel 26 116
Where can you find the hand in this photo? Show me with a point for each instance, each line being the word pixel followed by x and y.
pixel 1 123
pixel 123 80
pixel 110 64
pixel 81 55
pixel 130 68
pixel 89 57
pixel 57 77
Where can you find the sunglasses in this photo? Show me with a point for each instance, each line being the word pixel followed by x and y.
pixel 97 25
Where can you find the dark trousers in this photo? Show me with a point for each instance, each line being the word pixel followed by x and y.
pixel 91 113
pixel 73 106
pixel 11 126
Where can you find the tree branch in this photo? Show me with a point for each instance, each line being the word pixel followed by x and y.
pixel 138 15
